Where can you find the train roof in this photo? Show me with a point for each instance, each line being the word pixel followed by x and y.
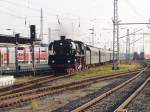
pixel 93 47
pixel 11 39
pixel 88 47
pixel 78 41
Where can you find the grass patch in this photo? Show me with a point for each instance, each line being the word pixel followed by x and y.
pixel 96 86
pixel 34 105
pixel 104 70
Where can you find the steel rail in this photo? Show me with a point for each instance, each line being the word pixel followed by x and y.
pixel 93 101
pixel 31 84
pixel 122 107
pixel 25 96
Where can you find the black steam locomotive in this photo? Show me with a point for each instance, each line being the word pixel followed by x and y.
pixel 69 55
pixel 66 54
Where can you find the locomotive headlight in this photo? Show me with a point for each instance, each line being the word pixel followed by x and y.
pixel 68 61
pixel 53 61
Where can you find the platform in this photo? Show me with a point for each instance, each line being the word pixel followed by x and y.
pixel 6 80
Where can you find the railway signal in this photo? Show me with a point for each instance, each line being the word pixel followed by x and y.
pixel 32 32
pixel 33 36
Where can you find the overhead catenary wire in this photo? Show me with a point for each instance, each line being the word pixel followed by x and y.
pixel 131 33
pixel 135 41
pixel 36 17
pixel 46 13
pixel 20 5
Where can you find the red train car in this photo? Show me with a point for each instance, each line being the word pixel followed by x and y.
pixel 24 56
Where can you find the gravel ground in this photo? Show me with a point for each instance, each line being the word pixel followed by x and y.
pixel 110 103
pixel 142 102
pixel 59 81
pixel 73 104
pixel 59 100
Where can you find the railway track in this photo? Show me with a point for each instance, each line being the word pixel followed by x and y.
pixel 23 83
pixel 140 103
pixel 122 107
pixel 29 84
pixel 25 96
pixel 105 102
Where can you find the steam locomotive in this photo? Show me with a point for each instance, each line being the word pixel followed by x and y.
pixel 68 55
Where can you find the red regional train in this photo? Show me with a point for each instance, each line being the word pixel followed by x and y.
pixel 25 56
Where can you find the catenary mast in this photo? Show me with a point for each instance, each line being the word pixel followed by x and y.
pixel 115 37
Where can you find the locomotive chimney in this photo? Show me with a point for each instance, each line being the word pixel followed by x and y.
pixel 62 37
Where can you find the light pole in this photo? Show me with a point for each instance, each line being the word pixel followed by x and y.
pixel 127 47
pixel 16 53
pixel 92 29
pixel 143 41
pixel 49 35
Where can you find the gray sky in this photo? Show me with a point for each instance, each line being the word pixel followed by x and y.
pixel 71 13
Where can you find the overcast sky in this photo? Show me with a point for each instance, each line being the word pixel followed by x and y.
pixel 76 17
